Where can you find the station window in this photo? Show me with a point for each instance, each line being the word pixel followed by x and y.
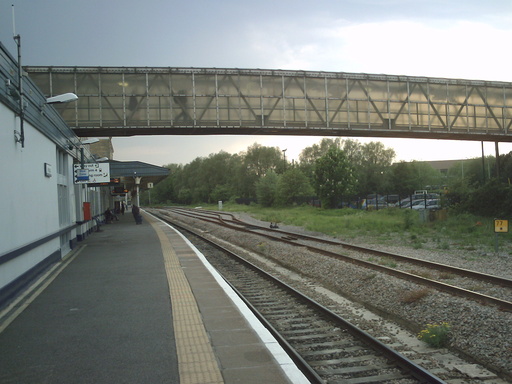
pixel 62 188
pixel 62 163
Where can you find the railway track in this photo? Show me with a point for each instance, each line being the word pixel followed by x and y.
pixel 492 290
pixel 326 347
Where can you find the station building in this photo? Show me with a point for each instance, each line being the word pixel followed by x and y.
pixel 45 212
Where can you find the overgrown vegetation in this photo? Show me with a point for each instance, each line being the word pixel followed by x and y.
pixel 387 226
pixel 436 335
pixel 336 173
pixel 414 296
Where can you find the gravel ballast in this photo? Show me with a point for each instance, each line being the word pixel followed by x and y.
pixel 480 333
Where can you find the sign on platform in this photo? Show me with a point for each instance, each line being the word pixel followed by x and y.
pixel 81 175
pixel 500 225
pixel 92 173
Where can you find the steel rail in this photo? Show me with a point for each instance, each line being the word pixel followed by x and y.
pixel 403 362
pixel 451 289
pixel 442 267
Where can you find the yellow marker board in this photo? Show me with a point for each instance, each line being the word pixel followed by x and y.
pixel 500 225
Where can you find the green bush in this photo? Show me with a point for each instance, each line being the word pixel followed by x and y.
pixel 436 335
pixel 492 199
pixel 221 193
pixel 266 189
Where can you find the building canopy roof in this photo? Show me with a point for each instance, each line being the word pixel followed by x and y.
pixel 126 171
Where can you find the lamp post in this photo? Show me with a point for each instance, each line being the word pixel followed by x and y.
pixel 483 163
pixel 137 184
pixel 284 158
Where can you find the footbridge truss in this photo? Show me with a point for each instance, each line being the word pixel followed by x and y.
pixel 123 101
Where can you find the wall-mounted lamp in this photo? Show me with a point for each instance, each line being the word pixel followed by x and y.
pixel 59 99
pixel 64 98
pixel 91 140
pixel 19 137
pixel 11 90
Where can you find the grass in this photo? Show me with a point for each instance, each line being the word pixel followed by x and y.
pixel 388 263
pixel 465 231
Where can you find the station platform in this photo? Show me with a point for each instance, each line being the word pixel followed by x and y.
pixel 136 304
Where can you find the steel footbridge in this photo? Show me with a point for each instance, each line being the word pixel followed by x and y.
pixel 128 101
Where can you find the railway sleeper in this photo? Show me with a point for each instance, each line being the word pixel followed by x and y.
pixel 350 353
pixel 305 331
pixel 313 336
pixel 357 369
pixel 345 361
pixel 333 344
pixel 300 327
pixel 372 379
pixel 293 318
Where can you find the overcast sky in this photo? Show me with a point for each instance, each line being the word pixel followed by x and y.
pixel 455 39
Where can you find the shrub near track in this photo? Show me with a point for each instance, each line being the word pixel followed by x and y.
pixel 386 226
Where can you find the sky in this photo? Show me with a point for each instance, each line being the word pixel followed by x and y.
pixel 465 39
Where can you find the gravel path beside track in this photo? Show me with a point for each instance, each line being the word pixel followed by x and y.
pixel 479 332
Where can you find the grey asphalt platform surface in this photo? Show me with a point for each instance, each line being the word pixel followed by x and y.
pixel 106 318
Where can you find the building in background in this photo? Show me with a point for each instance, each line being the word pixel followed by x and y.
pixel 103 149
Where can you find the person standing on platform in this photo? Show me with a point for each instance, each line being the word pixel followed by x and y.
pixel 136 214
pixel 109 217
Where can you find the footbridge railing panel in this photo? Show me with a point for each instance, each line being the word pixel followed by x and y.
pixel 122 101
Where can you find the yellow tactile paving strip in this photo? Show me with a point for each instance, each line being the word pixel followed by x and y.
pixel 196 360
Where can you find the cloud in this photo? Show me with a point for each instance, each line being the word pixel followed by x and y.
pixel 458 49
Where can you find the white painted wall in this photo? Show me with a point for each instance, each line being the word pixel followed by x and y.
pixel 30 199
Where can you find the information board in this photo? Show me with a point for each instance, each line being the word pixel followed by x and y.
pixel 91 173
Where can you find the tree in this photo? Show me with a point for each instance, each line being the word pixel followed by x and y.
pixel 266 188
pixel 216 170
pixel 493 199
pixel 259 159
pixel 164 191
pixel 370 161
pixel 353 151
pixel 221 193
pixel 208 179
pixel 293 185
pixel 374 161
pixel 404 178
pixel 185 196
pixel 401 178
pixel 256 163
pixel 474 171
pixel 310 155
pixel 506 167
pixel 334 177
